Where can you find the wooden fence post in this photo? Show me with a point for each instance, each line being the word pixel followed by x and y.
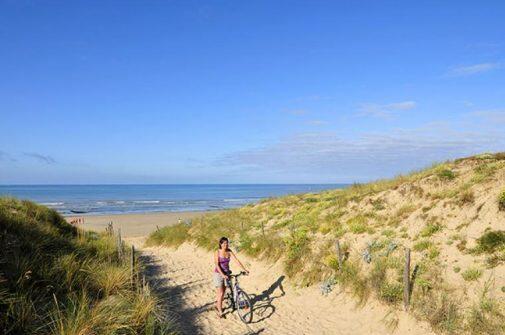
pixel 406 280
pixel 132 265
pixel 339 254
pixel 119 245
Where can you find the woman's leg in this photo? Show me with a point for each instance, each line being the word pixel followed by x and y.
pixel 219 302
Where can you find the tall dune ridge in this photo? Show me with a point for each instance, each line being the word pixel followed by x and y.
pixel 58 279
pixel 451 216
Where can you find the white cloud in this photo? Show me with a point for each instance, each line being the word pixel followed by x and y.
pixel 385 110
pixel 496 115
pixel 469 70
pixel 372 155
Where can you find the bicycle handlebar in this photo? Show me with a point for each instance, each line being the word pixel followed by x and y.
pixel 241 273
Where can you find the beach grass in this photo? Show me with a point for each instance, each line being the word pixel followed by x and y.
pixel 56 279
pixel 417 211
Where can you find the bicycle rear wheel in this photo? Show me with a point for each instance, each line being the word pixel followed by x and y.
pixel 244 307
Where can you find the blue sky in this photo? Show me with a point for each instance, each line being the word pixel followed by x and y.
pixel 246 91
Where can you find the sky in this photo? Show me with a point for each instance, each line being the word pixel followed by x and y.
pixel 106 92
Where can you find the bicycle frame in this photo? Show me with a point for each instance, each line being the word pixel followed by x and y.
pixel 234 288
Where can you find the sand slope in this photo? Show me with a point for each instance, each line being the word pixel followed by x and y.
pixel 185 276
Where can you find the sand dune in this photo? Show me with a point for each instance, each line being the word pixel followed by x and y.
pixel 279 307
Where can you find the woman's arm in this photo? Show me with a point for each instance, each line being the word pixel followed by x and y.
pixel 216 261
pixel 235 258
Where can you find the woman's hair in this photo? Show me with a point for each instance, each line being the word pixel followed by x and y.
pixel 222 240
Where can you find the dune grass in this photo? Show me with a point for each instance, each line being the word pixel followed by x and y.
pixel 487 315
pixel 471 274
pixel 300 231
pixel 501 201
pixel 56 279
pixel 490 242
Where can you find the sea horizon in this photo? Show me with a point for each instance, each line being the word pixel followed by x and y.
pixel 103 199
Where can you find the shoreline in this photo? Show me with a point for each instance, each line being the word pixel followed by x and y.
pixel 135 224
pixel 88 214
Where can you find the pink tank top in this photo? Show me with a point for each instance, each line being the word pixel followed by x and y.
pixel 224 264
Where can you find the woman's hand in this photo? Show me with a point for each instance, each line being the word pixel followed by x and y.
pixel 225 276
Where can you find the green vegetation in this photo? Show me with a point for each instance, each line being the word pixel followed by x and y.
pixel 358 224
pixel 471 274
pixel 404 211
pixel 487 316
pixel 446 174
pixel 491 241
pixel 501 201
pixel 484 172
pixel 300 231
pixel 385 278
pixel 176 237
pixel 466 198
pixel 55 279
pixel 423 245
pixel 430 229
pixel 441 311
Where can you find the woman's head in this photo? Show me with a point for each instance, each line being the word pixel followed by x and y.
pixel 223 243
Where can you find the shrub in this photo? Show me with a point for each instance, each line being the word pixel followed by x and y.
pixel 490 241
pixel 446 174
pixel 378 204
pixel 297 247
pixel 391 292
pixel 471 274
pixel 422 245
pixel 358 224
pixel 430 229
pixel 466 197
pixel 170 236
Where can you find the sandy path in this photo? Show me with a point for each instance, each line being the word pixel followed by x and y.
pixel 279 308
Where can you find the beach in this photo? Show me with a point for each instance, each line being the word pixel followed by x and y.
pixel 135 225
pixel 186 273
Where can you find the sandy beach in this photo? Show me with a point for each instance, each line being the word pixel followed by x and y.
pixel 135 225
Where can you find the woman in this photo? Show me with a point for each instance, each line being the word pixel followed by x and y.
pixel 222 271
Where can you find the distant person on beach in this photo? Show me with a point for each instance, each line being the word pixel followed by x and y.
pixel 222 271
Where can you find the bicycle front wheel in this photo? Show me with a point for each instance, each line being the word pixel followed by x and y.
pixel 244 307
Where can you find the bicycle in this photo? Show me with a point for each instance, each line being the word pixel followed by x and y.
pixel 238 299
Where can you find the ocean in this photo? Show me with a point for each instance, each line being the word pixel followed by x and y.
pixel 117 199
